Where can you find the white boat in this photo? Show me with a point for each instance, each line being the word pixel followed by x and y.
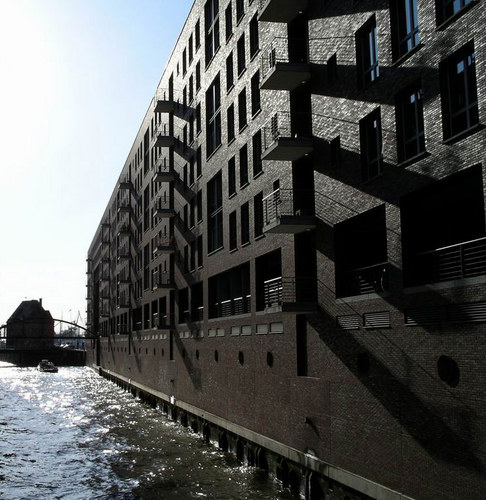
pixel 47 366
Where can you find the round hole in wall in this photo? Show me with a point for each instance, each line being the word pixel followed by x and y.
pixel 216 356
pixel 363 363
pixel 241 357
pixel 269 359
pixel 448 370
pixel 197 353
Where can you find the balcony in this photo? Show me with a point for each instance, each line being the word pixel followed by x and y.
pixel 164 101
pixel 282 142
pixel 164 170
pixel 160 322
pixel 163 282
pixel 281 11
pixel 125 185
pixel 123 303
pixel 124 207
pixel 454 262
pixel 289 211
pixel 124 230
pixel 163 244
pixel 164 208
pixel 104 278
pixel 280 71
pixel 232 307
pixel 294 295
pixel 124 254
pixel 124 279
pixel 365 280
pixel 163 136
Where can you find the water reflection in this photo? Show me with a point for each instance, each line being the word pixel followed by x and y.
pixel 73 435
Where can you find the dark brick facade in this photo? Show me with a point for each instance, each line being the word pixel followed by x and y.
pixel 374 365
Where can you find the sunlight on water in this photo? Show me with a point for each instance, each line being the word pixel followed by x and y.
pixel 74 435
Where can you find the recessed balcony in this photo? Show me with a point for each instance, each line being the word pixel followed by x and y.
pixel 124 280
pixel 163 282
pixel 164 170
pixel 282 141
pixel 124 208
pixel 281 11
pixel 124 230
pixel 164 101
pixel 290 294
pixel 289 211
pixel 124 254
pixel 163 136
pixel 164 208
pixel 280 71
pixel 365 280
pixel 125 185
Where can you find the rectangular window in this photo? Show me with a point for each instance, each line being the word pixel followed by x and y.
pixel 184 62
pixel 230 79
pixel 213 117
pixel 257 153
pixel 448 8
pixel 255 93
pixel 197 34
pixel 242 118
pixel 232 176
pixel 258 214
pixel 192 260
pixel 232 231
pixel 367 54
pixel 198 118
pixel 199 205
pixel 215 212
pixel 230 116
pixel 331 67
pixel 240 10
pixel 371 145
pixel 404 25
pixel 410 123
pixel 240 52
pixel 191 51
pixel 459 96
pixel 198 76
pixel 335 152
pixel 198 162
pixel 245 223
pixel 191 88
pixel 243 166
pixel 228 16
pixel 211 18
pixel 254 38
pixel 200 251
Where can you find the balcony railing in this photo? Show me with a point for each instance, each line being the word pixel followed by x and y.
pixel 164 207
pixel 232 307
pixel 163 280
pixel 454 262
pixel 289 211
pixel 283 141
pixel 290 293
pixel 281 11
pixel 124 230
pixel 164 101
pixel 163 244
pixel 365 280
pixel 163 136
pixel 282 69
pixel 164 170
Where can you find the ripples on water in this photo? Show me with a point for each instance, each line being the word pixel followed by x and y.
pixel 74 435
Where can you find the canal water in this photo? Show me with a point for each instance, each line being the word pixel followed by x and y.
pixel 74 435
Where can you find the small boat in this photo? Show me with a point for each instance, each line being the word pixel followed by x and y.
pixel 47 366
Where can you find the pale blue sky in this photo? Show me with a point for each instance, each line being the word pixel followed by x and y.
pixel 76 78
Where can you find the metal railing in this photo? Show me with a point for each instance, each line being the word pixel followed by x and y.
pixel 462 260
pixel 278 52
pixel 289 290
pixel 232 307
pixel 163 242
pixel 162 279
pixel 368 279
pixel 280 126
pixel 164 202
pixel 290 202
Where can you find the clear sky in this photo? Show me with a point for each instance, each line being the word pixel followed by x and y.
pixel 76 78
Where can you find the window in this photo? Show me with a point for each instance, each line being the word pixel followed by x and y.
pixel 230 80
pixel 410 123
pixel 211 17
pixel 198 162
pixel 255 93
pixel 371 145
pixel 184 62
pixel 215 212
pixel 243 166
pixel 458 92
pixel 257 153
pixel 198 118
pixel 199 215
pixel 232 231
pixel 231 122
pixel 258 214
pixel 446 9
pixel 367 54
pixel 198 76
pixel 254 40
pixel 191 51
pixel 232 176
pixel 332 68
pixel 245 223
pixel 200 251
pixel 242 119
pixel 404 25
pixel 213 117
pixel 191 88
pixel 240 10
pixel 197 34
pixel 240 52
pixel 228 15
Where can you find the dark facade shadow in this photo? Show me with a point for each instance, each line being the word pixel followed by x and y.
pixel 194 373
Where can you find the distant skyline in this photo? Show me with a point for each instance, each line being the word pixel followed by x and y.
pixel 76 78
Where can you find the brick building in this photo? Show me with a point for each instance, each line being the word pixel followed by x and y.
pixel 294 255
